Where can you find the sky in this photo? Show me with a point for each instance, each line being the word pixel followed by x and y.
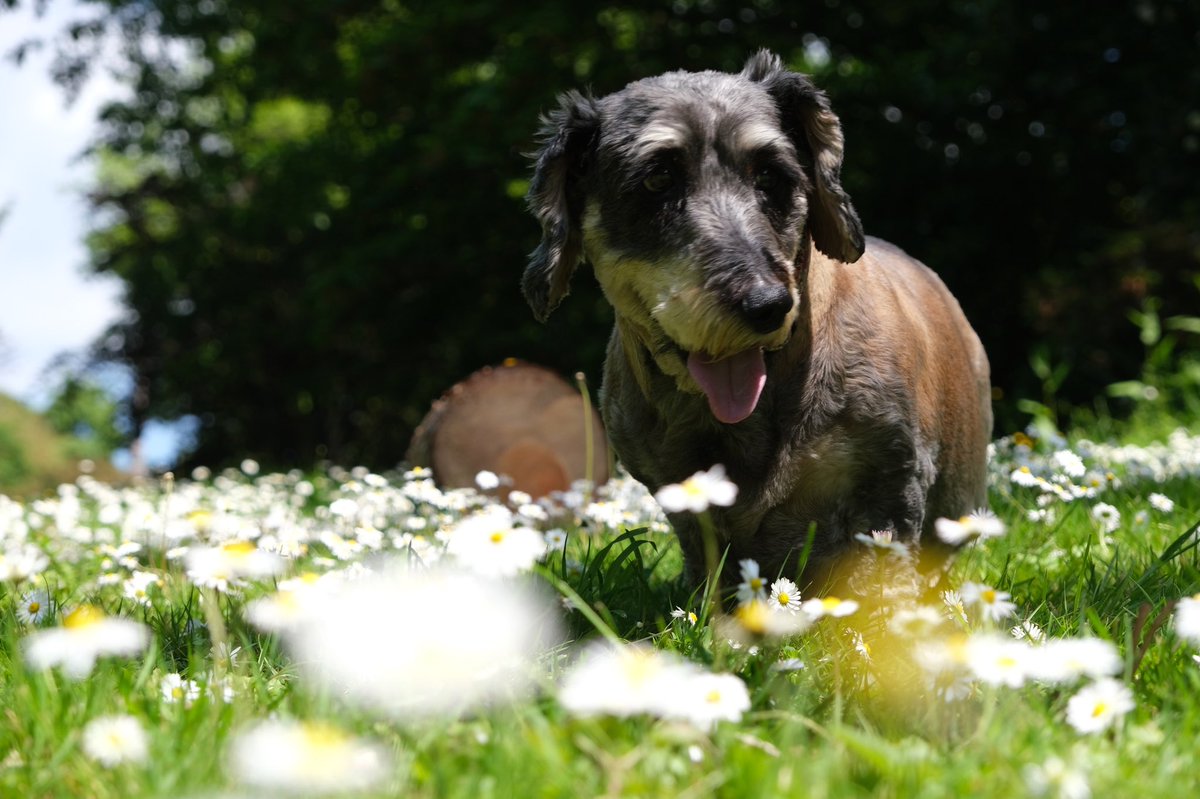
pixel 48 304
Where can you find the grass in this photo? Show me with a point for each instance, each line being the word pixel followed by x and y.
pixel 860 718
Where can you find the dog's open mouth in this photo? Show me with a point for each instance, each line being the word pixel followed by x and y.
pixel 732 384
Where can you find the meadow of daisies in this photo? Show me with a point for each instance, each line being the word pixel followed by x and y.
pixel 348 633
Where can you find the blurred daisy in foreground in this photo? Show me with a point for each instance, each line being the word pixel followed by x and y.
pixel 411 643
pixel 1099 706
pixel 697 492
pixel 981 524
pixel 227 565
pixel 294 600
pixel 306 758
pixel 1061 660
pixel 757 619
pixel 829 606
pixel 993 605
pixel 85 635
pixel 113 740
pixel 1187 619
pixel 491 544
pixel 630 679
pixel 623 680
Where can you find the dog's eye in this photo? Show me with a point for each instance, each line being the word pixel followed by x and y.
pixel 766 179
pixel 658 181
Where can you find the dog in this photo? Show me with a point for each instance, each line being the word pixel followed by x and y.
pixel 834 376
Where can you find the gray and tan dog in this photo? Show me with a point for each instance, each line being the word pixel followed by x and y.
pixel 834 376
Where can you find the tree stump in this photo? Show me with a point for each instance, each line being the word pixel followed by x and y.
pixel 518 420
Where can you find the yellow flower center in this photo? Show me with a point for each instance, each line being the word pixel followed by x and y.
pixel 199 519
pixel 784 598
pixel 497 537
pixel 753 616
pixel 713 697
pixel 238 549
pixel 322 736
pixel 83 616
pixel 756 583
pixel 310 578
pixel 1006 662
pixel 831 603
pixel 988 596
pixel 1099 709
pixel 34 607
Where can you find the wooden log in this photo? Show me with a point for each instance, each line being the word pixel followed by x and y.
pixel 519 420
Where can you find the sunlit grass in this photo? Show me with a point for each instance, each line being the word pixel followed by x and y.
pixel 847 707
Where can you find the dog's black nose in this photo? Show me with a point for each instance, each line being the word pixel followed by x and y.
pixel 765 306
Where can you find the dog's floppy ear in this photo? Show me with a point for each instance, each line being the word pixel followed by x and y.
pixel 556 199
pixel 808 119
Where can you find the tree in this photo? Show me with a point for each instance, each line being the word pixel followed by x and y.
pixel 317 211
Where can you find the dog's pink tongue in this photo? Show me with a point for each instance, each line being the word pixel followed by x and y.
pixel 732 385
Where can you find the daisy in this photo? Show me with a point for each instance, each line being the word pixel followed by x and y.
pixel 86 634
pixel 883 539
pixel 113 740
pixel 556 540
pixel 785 596
pixel 998 661
pixel 1187 619
pixel 690 615
pixel 697 492
pixel 993 605
pixel 22 562
pixel 705 699
pixel 289 605
pixel 1099 706
pixel 175 689
pixel 1108 516
pixel 487 481
pixel 757 619
pixel 980 524
pixel 488 544
pixel 917 621
pixel 1162 503
pixel 224 566
pixel 624 680
pixel 956 609
pixel 306 757
pixel 829 606
pixel 753 586
pixel 1070 463
pixel 137 586
pixel 1062 660
pixel 420 643
pixel 34 607
pixel 1055 778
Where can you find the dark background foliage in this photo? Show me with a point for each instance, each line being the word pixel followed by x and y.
pixel 316 207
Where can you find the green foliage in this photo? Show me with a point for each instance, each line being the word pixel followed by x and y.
pixel 316 208
pixel 86 414
pixel 14 466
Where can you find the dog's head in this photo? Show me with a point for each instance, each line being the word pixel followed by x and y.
pixel 694 196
